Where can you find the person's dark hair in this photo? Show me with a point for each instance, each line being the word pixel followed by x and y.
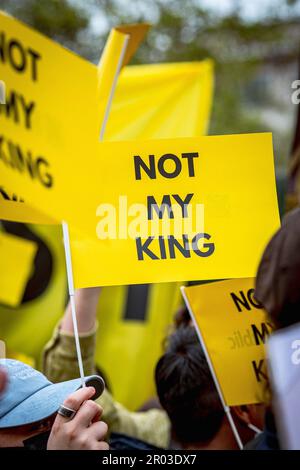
pixel 182 317
pixel 186 389
pixel 278 276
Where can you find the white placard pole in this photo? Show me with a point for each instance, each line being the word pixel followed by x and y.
pixel 72 297
pixel 65 227
pixel 212 371
pixel 113 87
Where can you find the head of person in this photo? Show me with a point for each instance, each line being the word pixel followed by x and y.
pixel 188 394
pixel 29 404
pixel 278 277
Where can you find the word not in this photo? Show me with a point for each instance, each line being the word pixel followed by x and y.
pixel 245 301
pixel 22 59
pixel 12 155
pixel 168 165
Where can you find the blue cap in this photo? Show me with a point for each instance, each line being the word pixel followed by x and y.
pixel 30 397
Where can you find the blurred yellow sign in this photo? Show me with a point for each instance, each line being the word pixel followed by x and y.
pixel 53 100
pixel 17 257
pixel 234 328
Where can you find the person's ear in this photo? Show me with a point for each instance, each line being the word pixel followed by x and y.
pixel 242 412
pixel 244 415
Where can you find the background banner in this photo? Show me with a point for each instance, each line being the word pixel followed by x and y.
pixel 17 257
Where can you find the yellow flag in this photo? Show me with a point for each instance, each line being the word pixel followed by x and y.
pixel 160 101
pixel 16 257
pixel 234 328
pixel 121 45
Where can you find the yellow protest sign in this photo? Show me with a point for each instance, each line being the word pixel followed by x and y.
pixel 226 182
pixel 16 257
pixel 144 203
pixel 233 327
pixel 160 101
pixel 22 212
pixel 52 95
pixel 44 298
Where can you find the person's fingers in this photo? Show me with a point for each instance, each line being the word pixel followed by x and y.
pixel 97 417
pixel 98 431
pixel 100 446
pixel 74 402
pixel 86 414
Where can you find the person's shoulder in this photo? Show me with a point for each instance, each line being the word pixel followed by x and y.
pixel 258 443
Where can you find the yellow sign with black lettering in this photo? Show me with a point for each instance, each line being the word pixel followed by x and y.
pixel 53 98
pixel 171 209
pixel 234 328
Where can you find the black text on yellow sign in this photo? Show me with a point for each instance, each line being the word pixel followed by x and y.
pixel 24 61
pixel 169 246
pixel 234 328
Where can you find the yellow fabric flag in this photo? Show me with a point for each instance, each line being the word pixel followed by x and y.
pixel 121 45
pixel 160 101
pixel 16 257
pixel 234 328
